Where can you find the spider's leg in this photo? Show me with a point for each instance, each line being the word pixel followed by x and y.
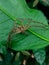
pixel 28 24
pixel 9 40
pixel 40 27
pixel 16 23
pixel 20 21
pixel 40 23
pixel 29 20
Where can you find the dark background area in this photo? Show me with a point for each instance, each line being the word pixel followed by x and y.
pixel 44 9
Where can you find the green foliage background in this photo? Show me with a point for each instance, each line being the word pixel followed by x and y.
pixel 37 38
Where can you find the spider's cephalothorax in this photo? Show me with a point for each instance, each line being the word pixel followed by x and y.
pixel 20 29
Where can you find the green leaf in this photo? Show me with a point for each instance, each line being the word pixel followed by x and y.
pixel 40 56
pixel 3 49
pixel 6 25
pixel 10 8
pixel 13 9
pixel 27 42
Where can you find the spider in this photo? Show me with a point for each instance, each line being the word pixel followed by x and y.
pixel 22 28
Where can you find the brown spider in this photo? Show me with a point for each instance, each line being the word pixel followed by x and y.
pixel 22 28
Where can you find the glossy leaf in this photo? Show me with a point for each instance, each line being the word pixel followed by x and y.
pixel 13 9
pixel 29 42
pixel 6 24
pixel 40 56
